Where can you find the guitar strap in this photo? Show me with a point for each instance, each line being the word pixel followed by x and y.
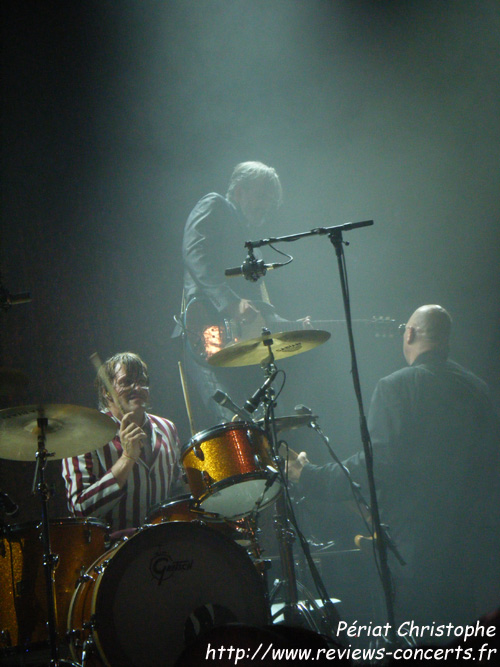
pixel 264 294
pixel 183 302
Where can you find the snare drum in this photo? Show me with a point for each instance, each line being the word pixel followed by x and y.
pixel 23 609
pixel 230 470
pixel 146 599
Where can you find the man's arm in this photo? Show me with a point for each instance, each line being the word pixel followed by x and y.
pixel 93 489
pixel 90 490
pixel 205 252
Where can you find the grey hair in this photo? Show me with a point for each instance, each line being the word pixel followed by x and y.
pixel 253 171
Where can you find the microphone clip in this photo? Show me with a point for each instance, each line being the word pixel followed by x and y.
pixel 253 268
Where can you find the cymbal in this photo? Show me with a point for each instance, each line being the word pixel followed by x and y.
pixel 71 430
pixel 12 380
pixel 255 351
pixel 289 422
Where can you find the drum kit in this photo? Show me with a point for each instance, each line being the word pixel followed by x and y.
pixel 195 564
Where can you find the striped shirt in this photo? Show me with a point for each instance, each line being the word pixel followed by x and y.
pixel 92 489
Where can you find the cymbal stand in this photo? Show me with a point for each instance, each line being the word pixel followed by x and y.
pixel 49 559
pixel 294 611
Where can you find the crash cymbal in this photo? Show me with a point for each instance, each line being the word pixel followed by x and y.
pixel 12 380
pixel 255 351
pixel 290 422
pixel 71 430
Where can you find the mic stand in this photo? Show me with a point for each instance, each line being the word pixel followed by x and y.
pixel 294 611
pixel 363 506
pixel 335 236
pixel 49 559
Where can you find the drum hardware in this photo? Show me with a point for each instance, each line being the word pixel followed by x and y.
pixel 123 628
pixel 25 433
pixel 208 481
pixel 237 473
pixel 82 576
pixel 255 351
pixel 49 558
pixel 293 610
pixel 70 431
pixel 290 422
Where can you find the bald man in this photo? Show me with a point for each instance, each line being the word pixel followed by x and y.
pixel 435 437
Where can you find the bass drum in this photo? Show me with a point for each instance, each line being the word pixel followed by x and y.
pixel 23 609
pixel 145 600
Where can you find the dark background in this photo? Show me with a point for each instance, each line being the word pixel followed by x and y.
pixel 118 116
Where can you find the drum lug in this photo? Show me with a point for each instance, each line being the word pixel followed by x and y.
pixel 88 649
pixel 74 637
pixel 99 569
pixel 52 560
pixel 198 452
pixel 207 479
pixel 90 625
pixel 83 577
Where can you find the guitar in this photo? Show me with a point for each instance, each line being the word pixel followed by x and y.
pixel 207 333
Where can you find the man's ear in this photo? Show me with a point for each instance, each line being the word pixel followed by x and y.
pixel 410 335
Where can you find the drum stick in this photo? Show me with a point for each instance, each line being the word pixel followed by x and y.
pixel 97 363
pixel 186 399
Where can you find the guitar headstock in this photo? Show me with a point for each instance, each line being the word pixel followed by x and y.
pixel 384 326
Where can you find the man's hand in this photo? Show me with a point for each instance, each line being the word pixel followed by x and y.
pixel 246 312
pixel 294 466
pixel 306 322
pixel 132 437
pixel 243 311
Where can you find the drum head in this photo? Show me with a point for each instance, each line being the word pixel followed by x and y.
pixel 166 585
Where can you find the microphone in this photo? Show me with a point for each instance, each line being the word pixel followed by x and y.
pixel 9 506
pixel 223 399
pixel 252 269
pixel 253 402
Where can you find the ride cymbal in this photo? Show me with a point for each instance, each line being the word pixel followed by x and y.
pixel 256 350
pixel 71 430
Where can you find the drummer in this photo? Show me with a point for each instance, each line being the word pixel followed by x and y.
pixel 139 468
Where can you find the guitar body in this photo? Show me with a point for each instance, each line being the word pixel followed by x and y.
pixel 207 332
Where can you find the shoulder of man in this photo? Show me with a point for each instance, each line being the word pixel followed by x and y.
pixel 398 377
pixel 165 425
pixel 214 201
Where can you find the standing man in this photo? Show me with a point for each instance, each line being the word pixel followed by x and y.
pixel 214 238
pixel 119 482
pixel 436 451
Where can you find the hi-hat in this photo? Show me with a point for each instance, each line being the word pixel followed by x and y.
pixel 256 350
pixel 71 430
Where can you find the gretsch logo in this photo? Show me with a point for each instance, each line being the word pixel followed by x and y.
pixel 162 566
